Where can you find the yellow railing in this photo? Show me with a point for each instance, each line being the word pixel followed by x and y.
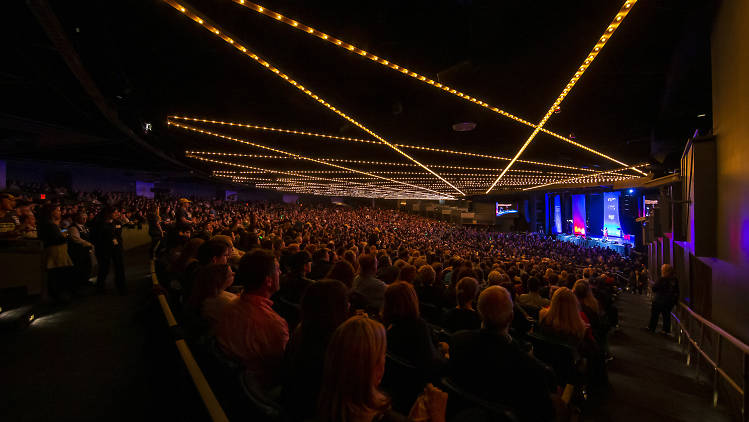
pixel 206 394
pixel 694 341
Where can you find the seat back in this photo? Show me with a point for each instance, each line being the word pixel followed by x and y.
pixel 403 381
pixel 261 407
pixel 561 357
pixel 432 313
pixel 465 406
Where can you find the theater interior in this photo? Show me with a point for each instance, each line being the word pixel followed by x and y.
pixel 443 181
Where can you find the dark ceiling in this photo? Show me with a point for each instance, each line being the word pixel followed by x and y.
pixel 638 102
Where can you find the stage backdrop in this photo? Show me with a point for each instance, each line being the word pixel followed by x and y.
pixel 557 214
pixel 578 214
pixel 611 213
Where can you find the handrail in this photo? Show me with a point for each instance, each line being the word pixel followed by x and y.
pixel 736 342
pixel 201 384
pixel 715 363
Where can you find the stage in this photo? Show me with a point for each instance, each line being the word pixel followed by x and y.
pixel 617 244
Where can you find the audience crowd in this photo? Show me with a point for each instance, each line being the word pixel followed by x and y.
pixel 334 312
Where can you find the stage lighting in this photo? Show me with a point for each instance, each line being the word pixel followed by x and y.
pixel 631 191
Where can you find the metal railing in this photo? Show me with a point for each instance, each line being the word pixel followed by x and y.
pixel 201 384
pixel 695 342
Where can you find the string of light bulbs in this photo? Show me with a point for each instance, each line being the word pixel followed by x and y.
pixel 445 88
pixel 244 166
pixel 243 141
pixel 215 29
pixel 623 12
pixel 572 179
pixel 359 140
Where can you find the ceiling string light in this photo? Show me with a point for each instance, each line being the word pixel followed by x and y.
pixel 578 74
pixel 268 171
pixel 215 29
pixel 385 163
pixel 343 138
pixel 243 141
pixel 589 176
pixel 445 88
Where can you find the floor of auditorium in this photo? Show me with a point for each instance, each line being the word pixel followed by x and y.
pixel 110 357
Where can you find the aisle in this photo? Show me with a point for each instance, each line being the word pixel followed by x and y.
pixel 650 381
pixel 102 357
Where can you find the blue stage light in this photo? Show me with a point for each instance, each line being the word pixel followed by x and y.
pixel 631 191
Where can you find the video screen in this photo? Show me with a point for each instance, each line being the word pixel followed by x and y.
pixel 504 209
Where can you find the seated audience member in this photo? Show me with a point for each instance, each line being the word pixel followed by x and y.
pixel 8 217
pixel 80 248
pixel 350 386
pixel 463 316
pixel 563 319
pixel 533 299
pixel 324 308
pixel 27 228
pixel 296 282
pixel 344 272
pixel 371 289
pixel 491 364
pixel 248 329
pixel 350 256
pixel 589 307
pixel 209 296
pixel 407 274
pixel 320 264
pixel 409 336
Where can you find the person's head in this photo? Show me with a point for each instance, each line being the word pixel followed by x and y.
pixel 324 307
pixel 209 282
pixel 342 271
pixel 367 264
pixel 563 315
pixel 534 284
pixel 465 291
pixel 300 263
pixel 401 303
pixel 407 273
pixel 588 273
pixel 27 220
pixel 495 278
pixel 80 217
pixel 51 212
pixel 349 386
pixel 213 252
pixel 321 255
pixel 495 308
pixel 584 295
pixel 258 272
pixel 426 275
pixel 350 256
pixel 7 201
pixel 667 271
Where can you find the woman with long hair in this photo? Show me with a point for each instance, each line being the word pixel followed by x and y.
pixel 562 318
pixel 342 271
pixel 409 336
pixel 354 366
pixel 324 307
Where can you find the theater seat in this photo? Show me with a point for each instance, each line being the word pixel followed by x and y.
pixel 432 313
pixel 261 406
pixel 403 381
pixel 561 357
pixel 463 406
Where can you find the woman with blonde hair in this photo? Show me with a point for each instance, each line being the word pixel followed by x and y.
pixel 562 318
pixel 354 367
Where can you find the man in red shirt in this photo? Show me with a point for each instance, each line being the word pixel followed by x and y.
pixel 248 328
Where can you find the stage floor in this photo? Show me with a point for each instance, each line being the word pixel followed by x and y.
pixel 616 243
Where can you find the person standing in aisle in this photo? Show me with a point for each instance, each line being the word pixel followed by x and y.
pixel 107 239
pixel 665 296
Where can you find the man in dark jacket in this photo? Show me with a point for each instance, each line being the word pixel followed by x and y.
pixel 320 264
pixel 107 240
pixel 491 364
pixel 294 284
pixel 666 295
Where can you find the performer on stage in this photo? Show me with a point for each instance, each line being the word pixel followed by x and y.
pixel 605 234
